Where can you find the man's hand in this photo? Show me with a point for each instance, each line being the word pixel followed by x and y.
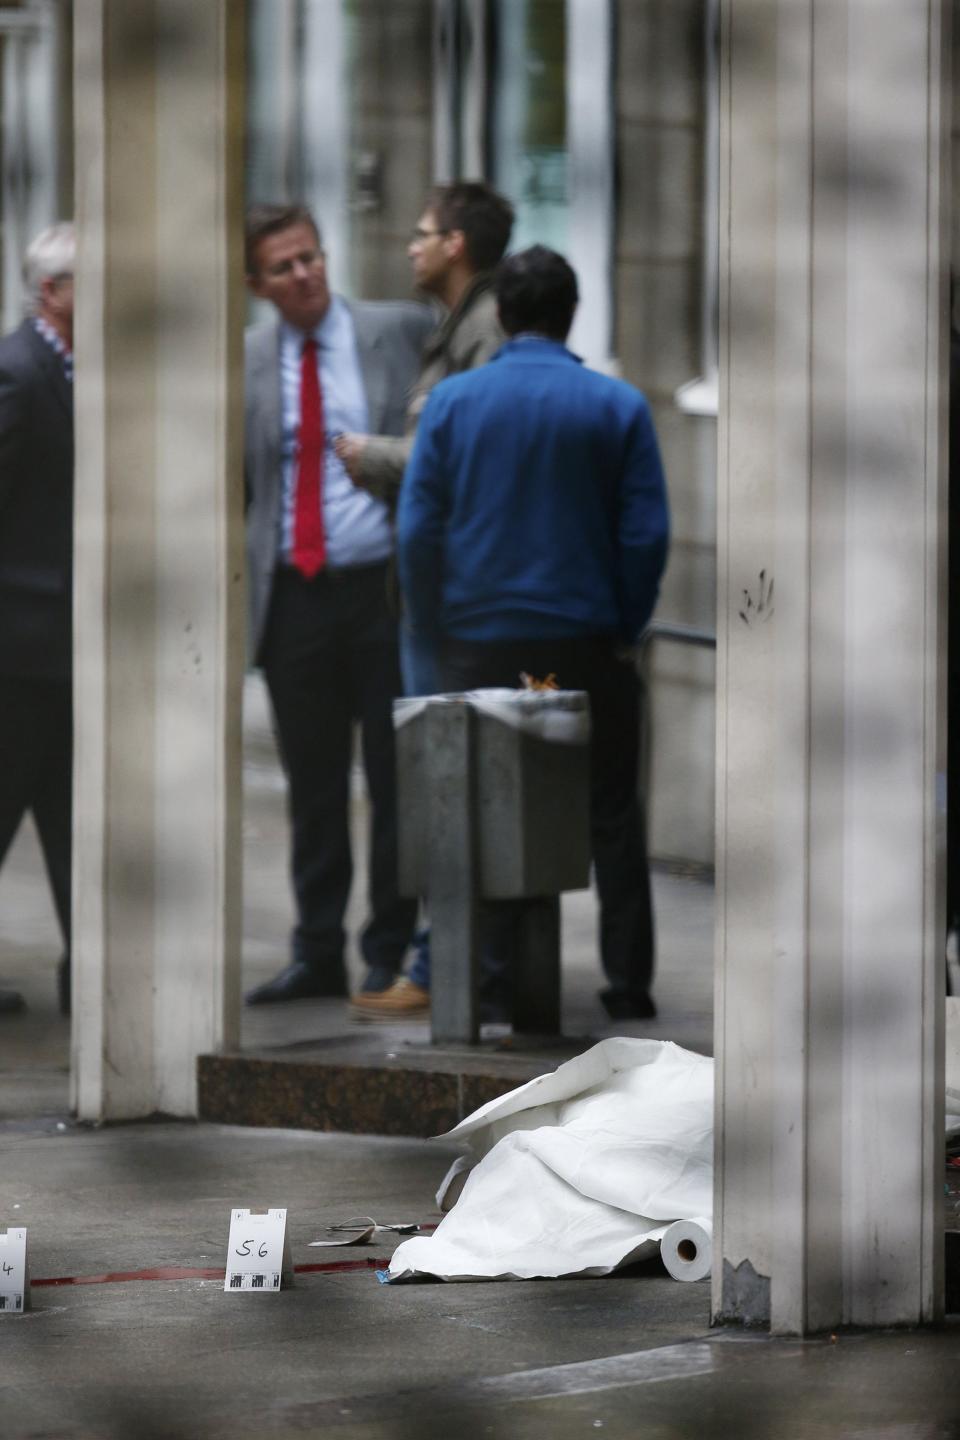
pixel 349 450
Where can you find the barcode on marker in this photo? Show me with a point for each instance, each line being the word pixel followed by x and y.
pixel 249 1281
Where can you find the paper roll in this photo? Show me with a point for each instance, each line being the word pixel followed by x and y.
pixel 687 1248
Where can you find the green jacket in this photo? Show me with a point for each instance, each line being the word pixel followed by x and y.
pixel 467 337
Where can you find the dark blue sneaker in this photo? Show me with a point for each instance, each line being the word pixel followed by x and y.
pixel 419 969
pixel 377 978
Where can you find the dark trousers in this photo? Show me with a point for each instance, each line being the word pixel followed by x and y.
pixel 330 658
pixel 953 784
pixel 36 774
pixel 617 838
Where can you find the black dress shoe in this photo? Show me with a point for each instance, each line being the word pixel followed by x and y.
pixel 494 1012
pixel 624 1006
pixel 11 1002
pixel 64 985
pixel 299 982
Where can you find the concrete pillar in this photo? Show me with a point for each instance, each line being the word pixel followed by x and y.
pixel 829 1023
pixel 158 645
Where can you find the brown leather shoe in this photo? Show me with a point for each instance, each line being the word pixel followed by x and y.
pixel 403 1001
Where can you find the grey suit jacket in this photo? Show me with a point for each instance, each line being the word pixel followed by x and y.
pixel 390 337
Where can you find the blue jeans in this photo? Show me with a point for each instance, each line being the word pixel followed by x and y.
pixel 418 662
pixel 419 968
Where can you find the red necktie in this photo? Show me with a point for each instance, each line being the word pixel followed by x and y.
pixel 309 545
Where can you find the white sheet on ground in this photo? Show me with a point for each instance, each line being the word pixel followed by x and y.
pixel 580 1171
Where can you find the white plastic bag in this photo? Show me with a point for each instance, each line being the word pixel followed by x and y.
pixel 579 1171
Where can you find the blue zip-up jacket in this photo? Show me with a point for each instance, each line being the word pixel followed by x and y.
pixel 534 504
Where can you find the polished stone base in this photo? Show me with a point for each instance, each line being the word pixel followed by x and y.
pixel 414 1095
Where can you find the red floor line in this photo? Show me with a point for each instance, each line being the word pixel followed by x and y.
pixel 179 1272
pixel 341 1265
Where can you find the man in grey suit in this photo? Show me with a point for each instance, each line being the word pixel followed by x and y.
pixel 322 627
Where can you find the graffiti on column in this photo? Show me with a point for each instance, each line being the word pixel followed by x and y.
pixel 758 604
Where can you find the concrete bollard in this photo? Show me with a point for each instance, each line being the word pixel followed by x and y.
pixel 493 804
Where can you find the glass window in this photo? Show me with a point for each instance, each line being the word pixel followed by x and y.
pixel 339 115
pixel 528 117
pixel 30 190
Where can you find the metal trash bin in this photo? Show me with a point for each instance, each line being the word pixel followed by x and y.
pixel 493 803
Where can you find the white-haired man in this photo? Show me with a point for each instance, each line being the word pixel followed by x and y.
pixel 36 573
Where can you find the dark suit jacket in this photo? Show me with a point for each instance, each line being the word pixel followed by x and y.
pixel 390 338
pixel 36 508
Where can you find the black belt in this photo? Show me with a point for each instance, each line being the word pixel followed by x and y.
pixel 333 572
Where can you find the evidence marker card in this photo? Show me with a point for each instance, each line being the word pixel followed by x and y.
pixel 258 1251
pixel 14 1273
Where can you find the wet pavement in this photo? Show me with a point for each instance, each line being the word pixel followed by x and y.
pixel 340 1354
pixel 34 1047
pixel 165 1354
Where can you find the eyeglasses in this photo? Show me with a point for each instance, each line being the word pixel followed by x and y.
pixel 420 234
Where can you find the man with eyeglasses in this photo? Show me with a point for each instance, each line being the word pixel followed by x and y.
pixel 321 624
pixel 458 241
pixel 36 573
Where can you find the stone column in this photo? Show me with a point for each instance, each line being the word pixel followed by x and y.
pixel 829 1025
pixel 159 573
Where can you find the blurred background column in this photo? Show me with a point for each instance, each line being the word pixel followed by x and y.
pixel 831 648
pixel 159 625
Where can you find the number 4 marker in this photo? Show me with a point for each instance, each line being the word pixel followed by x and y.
pixel 14 1273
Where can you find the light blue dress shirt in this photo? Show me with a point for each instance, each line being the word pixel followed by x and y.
pixel 357 527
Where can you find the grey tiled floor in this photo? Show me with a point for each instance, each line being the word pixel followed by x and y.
pixel 34 1047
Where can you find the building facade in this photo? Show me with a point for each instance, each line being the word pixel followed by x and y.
pixel 596 117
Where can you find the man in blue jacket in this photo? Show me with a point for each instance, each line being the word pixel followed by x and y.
pixel 531 536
